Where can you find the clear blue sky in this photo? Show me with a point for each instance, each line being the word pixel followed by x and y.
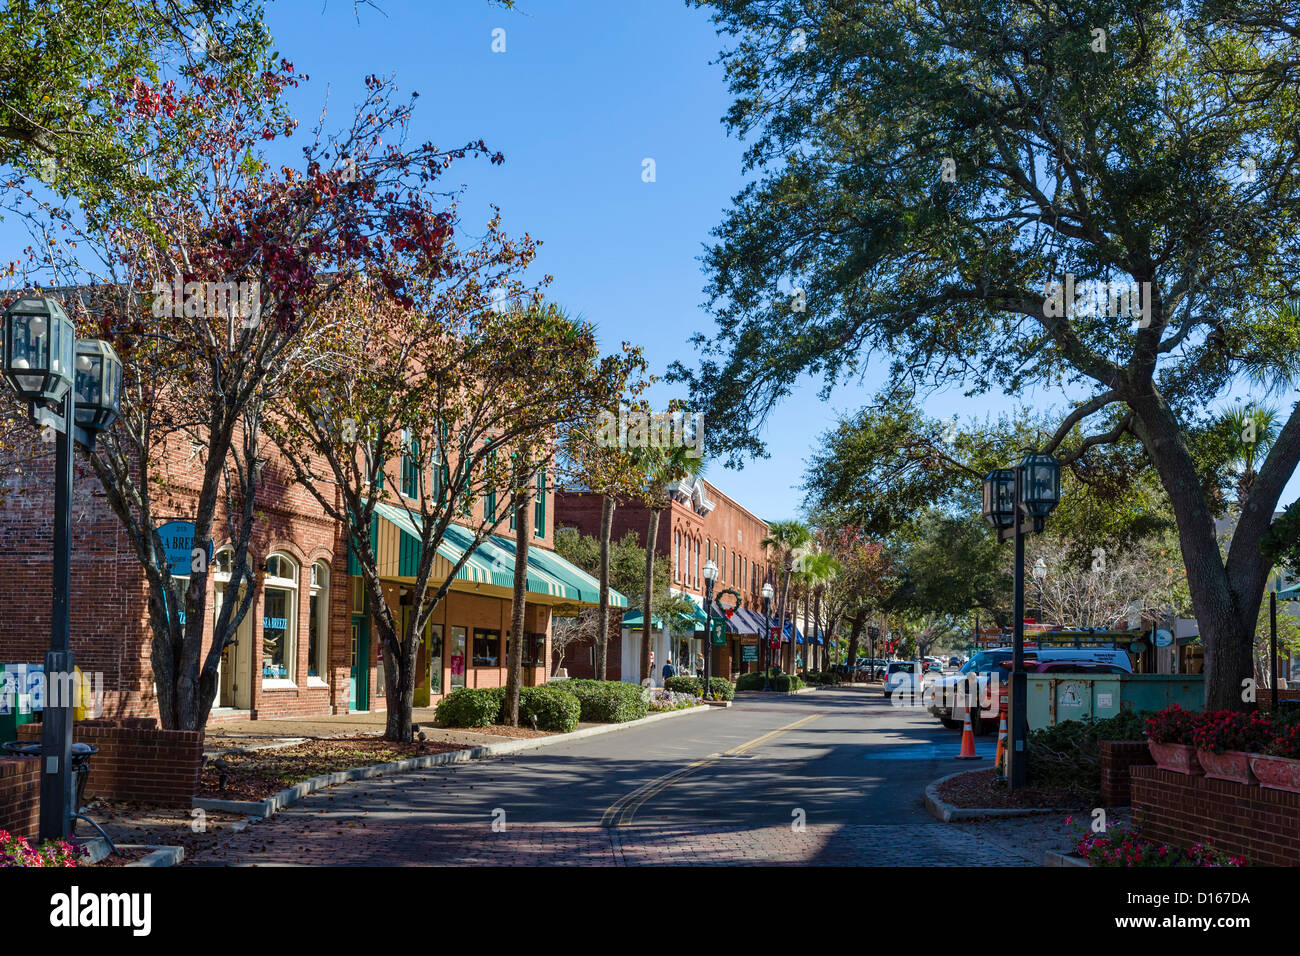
pixel 584 92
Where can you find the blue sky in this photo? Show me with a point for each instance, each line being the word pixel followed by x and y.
pixel 585 91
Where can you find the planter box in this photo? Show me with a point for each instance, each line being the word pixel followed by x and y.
pixel 1180 758
pixel 1231 765
pixel 1276 773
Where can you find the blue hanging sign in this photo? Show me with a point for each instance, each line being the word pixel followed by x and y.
pixel 178 544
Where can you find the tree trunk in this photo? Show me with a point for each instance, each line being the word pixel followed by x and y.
pixel 601 643
pixel 652 533
pixel 399 681
pixel 515 661
pixel 854 634
pixel 817 610
pixel 808 644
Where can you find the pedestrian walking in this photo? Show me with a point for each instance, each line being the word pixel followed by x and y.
pixel 669 670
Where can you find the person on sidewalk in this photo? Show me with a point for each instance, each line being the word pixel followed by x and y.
pixel 669 670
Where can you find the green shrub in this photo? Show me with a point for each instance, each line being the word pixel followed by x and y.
pixel 470 707
pixel 551 706
pixel 685 685
pixel 721 688
pixel 749 682
pixel 1068 754
pixel 787 683
pixel 607 701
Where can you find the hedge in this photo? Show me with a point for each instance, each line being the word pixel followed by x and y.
pixel 607 701
pixel 1068 754
pixel 470 707
pixel 778 681
pixel 553 708
pixel 721 688
pixel 683 684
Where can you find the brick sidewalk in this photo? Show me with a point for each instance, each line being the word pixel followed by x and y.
pixel 347 841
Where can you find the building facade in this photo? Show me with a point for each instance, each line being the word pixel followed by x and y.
pixel 699 524
pixel 304 648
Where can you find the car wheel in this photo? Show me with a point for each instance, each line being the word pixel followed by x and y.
pixel 950 723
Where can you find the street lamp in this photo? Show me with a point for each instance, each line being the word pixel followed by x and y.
pixel 1017 502
pixel 72 388
pixel 767 633
pixel 1040 575
pixel 710 573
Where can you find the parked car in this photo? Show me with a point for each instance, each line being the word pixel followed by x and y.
pixel 955 661
pixel 998 660
pixel 906 677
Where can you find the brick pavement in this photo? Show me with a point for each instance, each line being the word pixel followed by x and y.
pixel 347 841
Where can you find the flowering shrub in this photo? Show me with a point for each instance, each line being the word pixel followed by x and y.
pixel 662 700
pixel 1123 846
pixel 1286 742
pixel 16 851
pixel 1222 730
pixel 1173 725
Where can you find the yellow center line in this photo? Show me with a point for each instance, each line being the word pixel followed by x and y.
pixel 626 806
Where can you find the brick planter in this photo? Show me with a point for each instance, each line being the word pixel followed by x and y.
pixel 1180 758
pixel 20 795
pixel 1231 765
pixel 1118 757
pixel 1260 824
pixel 137 761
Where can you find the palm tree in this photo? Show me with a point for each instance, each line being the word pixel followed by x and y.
pixel 787 539
pixel 1254 428
pixel 821 568
pixel 522 500
pixel 662 467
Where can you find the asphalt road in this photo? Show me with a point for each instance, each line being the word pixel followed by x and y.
pixel 834 776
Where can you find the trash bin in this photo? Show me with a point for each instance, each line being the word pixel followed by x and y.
pixel 15 702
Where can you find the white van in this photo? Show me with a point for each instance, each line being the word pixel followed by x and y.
pixel 984 663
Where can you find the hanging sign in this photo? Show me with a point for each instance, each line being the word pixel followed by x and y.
pixel 178 546
pixel 1164 637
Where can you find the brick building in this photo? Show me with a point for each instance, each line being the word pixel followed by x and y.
pixel 304 647
pixel 699 524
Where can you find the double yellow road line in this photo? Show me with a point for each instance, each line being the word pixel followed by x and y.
pixel 622 811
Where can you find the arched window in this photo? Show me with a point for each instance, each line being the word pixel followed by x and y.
pixel 279 620
pixel 677 555
pixel 318 627
pixel 722 567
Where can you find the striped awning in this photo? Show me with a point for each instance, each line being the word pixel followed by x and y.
pixel 396 534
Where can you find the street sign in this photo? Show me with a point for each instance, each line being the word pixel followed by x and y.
pixel 749 653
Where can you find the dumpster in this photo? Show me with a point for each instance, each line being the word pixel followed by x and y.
pixel 1058 697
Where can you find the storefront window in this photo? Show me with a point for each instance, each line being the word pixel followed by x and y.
pixel 435 658
pixel 279 619
pixel 487 648
pixel 457 655
pixel 319 624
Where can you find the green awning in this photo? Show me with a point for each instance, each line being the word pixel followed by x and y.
pixel 632 619
pixel 492 562
pixel 1289 594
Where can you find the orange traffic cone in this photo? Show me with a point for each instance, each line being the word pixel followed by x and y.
pixel 967 741
pixel 1002 741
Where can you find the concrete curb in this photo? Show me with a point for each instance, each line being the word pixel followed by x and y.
pixel 263 809
pixel 97 850
pixel 1064 859
pixel 946 812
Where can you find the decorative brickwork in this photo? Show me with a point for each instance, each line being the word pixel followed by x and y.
pixel 20 795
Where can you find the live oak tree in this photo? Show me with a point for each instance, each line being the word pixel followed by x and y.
pixel 445 407
pixel 927 172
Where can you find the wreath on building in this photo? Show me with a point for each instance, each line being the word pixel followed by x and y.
pixel 728 611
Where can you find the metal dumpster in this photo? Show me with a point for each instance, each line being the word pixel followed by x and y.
pixel 1059 696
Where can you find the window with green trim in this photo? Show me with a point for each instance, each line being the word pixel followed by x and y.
pixel 539 507
pixel 410 466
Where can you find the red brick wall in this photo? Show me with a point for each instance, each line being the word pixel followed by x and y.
pixel 1262 825
pixel 138 763
pixel 20 795
pixel 1117 759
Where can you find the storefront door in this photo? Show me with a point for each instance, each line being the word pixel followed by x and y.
pixel 359 682
pixel 235 672
pixel 457 657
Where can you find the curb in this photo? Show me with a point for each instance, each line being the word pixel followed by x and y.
pixel 1064 859
pixel 97 850
pixel 263 809
pixel 946 812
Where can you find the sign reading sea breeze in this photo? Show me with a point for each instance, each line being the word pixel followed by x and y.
pixel 178 545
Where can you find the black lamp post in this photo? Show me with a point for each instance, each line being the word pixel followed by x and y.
pixel 1017 502
pixel 73 388
pixel 710 573
pixel 767 635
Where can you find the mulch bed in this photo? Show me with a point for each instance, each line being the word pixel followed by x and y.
pixel 127 856
pixel 977 790
pixel 128 822
pixel 258 774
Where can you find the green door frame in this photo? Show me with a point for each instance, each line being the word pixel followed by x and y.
pixel 361 669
